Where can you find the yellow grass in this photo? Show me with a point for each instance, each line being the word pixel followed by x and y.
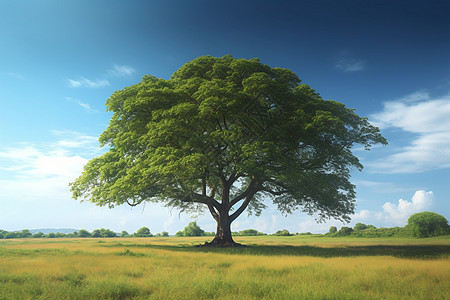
pixel 165 268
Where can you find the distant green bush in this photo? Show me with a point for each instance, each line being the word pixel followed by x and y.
pixel 372 232
pixel 192 229
pixel 283 232
pixel 83 233
pixel 304 233
pixel 359 226
pixel 107 233
pixel 426 224
pixel 332 230
pixel 344 231
pixel 11 235
pixel 38 235
pixel 143 232
pixel 250 232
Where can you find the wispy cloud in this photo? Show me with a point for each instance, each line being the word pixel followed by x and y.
pixel 121 71
pixel 16 75
pixel 72 139
pixel 380 186
pixel 86 106
pixel 347 62
pixel 428 120
pixel 87 83
pixel 115 71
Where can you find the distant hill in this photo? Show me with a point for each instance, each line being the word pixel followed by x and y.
pixel 54 230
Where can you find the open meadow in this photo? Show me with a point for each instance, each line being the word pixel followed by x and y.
pixel 269 267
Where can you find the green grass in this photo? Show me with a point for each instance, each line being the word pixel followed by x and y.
pixel 297 267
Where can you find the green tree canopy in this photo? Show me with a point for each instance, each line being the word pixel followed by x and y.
pixel 96 233
pixel 38 235
pixel 332 230
pixel 192 229
pixel 283 232
pixel 359 226
pixel 107 233
pixel 84 233
pixel 426 224
pixel 143 232
pixel 11 235
pixel 227 135
pixel 344 231
pixel 25 233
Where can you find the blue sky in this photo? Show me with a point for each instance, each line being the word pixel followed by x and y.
pixel 60 61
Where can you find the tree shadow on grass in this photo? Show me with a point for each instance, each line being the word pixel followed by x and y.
pixel 401 251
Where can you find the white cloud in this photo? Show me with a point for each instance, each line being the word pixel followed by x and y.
pixel 427 152
pixel 121 71
pixel 34 180
pixel 87 83
pixel 63 158
pixel 416 113
pixel 428 120
pixel 397 214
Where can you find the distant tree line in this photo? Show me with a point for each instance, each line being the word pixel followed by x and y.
pixel 97 233
pixel 420 225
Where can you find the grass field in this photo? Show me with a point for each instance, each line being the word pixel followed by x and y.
pixel 296 267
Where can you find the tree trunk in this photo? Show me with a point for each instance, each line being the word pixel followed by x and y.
pixel 223 236
pixel 220 212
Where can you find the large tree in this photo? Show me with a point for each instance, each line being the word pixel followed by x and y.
pixel 227 135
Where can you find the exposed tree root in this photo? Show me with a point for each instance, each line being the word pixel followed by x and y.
pixel 217 244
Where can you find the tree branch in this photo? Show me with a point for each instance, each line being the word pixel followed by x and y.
pixel 203 186
pixel 275 193
pixel 205 200
pixel 213 212
pixel 244 205
pixel 132 204
pixel 251 188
